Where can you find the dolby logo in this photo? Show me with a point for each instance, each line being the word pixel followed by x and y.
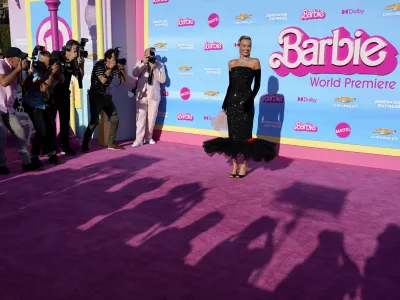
pixel 306 99
pixel 356 11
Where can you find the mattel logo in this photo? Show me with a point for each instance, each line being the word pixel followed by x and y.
pixel 185 93
pixel 352 11
pixel 306 99
pixel 184 117
pixel 213 20
pixel 186 22
pixel 307 127
pixel 212 46
pixel 343 130
pixel 160 1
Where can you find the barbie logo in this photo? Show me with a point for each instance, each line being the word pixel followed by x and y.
pixel 184 117
pixel 185 93
pixel 213 20
pixel 339 54
pixel 186 22
pixel 164 93
pixel 343 130
pixel 305 127
pixel 212 46
pixel 312 15
pixel 272 98
pixel 160 1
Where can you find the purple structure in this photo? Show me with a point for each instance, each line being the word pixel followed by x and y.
pixel 53 5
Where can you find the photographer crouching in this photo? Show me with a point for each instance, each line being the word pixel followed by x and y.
pixel 100 98
pixel 38 88
pixel 73 65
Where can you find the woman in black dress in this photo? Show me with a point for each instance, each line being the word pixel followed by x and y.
pixel 239 108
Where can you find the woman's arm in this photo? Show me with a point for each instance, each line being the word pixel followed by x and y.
pixel 225 103
pixel 257 84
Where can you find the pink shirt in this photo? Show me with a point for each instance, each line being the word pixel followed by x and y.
pixel 7 94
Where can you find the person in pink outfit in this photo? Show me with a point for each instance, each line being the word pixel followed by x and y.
pixel 150 73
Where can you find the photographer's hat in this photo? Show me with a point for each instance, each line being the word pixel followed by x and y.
pixel 16 52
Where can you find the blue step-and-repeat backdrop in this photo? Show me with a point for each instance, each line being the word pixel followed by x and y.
pixel 329 68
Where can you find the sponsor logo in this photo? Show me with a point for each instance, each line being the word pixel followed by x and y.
pixel 213 71
pixel 307 127
pixel 208 118
pixel 184 117
pixel 345 102
pixel 274 98
pixel 213 20
pixel 212 46
pixel 315 14
pixel 236 45
pixel 185 71
pixel 186 22
pixel 384 134
pixel 160 23
pixel 306 99
pixel 186 46
pixel 161 46
pixel 185 93
pixel 387 104
pixel 164 93
pixel 211 93
pixel 394 10
pixel 243 19
pixel 352 11
pixel 340 53
pixel 272 124
pixel 160 1
pixel 277 17
pixel 343 130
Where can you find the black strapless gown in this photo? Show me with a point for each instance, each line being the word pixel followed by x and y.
pixel 239 107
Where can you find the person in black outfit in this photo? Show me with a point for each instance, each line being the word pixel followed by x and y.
pixel 62 92
pixel 239 108
pixel 100 98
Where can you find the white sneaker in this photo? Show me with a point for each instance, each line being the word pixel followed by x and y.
pixel 151 142
pixel 136 144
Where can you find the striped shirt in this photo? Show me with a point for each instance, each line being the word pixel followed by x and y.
pixel 99 69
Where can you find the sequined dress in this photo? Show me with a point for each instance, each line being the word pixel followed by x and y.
pixel 239 108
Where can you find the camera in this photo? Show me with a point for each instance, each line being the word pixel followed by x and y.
pixel 58 57
pixel 81 50
pixel 34 63
pixel 121 61
pixel 152 58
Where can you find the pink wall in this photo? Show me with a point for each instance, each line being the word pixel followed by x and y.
pixel 18 24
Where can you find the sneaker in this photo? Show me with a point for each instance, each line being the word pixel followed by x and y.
pixel 150 142
pixel 115 147
pixel 55 160
pixel 33 166
pixel 4 170
pixel 68 152
pixel 137 143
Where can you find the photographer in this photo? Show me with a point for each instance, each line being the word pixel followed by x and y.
pixel 100 98
pixel 10 73
pixel 61 94
pixel 38 105
pixel 150 73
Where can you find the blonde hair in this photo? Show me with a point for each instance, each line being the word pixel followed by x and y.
pixel 244 37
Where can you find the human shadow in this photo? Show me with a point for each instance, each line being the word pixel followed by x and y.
pixel 301 199
pixel 271 113
pixel 328 273
pixel 230 270
pixel 162 108
pixel 382 270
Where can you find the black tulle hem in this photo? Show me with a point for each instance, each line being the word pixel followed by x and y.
pixel 253 149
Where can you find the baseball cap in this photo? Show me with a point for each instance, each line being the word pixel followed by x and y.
pixel 16 52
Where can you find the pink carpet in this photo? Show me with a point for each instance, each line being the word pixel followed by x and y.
pixel 164 222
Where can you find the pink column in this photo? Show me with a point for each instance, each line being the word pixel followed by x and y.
pixel 53 5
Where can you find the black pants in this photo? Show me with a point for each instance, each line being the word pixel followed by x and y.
pixel 98 103
pixel 44 121
pixel 63 103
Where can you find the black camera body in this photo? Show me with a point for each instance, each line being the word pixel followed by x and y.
pixel 34 63
pixel 152 58
pixel 81 50
pixel 121 61
pixel 58 58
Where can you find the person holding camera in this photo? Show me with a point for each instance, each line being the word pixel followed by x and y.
pixel 100 98
pixel 150 73
pixel 38 105
pixel 10 75
pixel 61 94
